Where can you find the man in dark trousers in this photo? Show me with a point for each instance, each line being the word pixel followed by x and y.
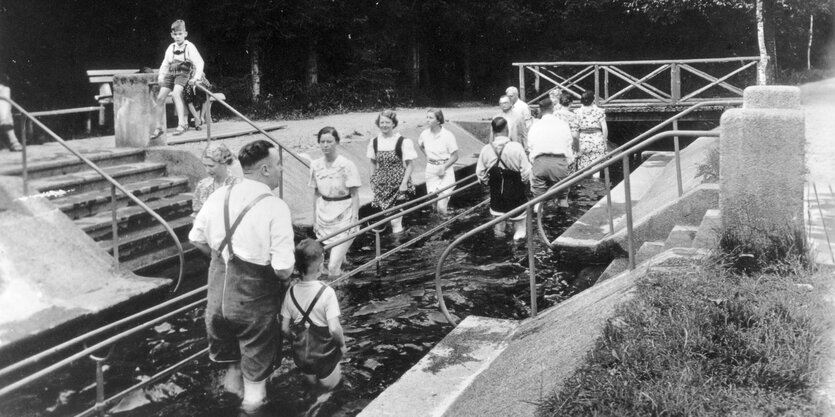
pixel 549 146
pixel 248 234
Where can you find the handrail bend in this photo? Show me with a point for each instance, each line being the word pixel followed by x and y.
pixel 617 152
pixel 108 178
pixel 551 193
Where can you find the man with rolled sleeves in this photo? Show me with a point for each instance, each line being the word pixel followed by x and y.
pixel 248 234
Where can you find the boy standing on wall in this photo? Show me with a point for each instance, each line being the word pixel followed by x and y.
pixel 181 66
pixel 6 119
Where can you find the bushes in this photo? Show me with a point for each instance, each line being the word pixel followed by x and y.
pixel 369 89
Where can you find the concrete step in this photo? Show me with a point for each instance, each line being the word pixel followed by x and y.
pixel 615 267
pixel 147 240
pixel 62 164
pixel 681 237
pixel 131 218
pixel 87 204
pixel 89 180
pixel 707 237
pixel 164 262
pixel 648 250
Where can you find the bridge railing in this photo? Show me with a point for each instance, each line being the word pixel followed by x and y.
pixel 652 82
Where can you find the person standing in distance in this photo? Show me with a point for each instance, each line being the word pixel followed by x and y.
pixel 247 232
pixel 520 106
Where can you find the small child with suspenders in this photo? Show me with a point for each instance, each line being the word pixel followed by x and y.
pixel 313 310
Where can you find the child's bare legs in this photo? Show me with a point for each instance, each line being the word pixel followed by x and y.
pixel 194 114
pixel 14 144
pixel 160 107
pixel 179 105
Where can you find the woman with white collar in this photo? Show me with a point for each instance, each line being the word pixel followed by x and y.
pixel 441 151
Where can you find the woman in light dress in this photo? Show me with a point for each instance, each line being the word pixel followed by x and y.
pixel 335 181
pixel 441 151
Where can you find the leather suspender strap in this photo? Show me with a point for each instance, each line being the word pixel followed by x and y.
pixel 306 313
pixel 231 230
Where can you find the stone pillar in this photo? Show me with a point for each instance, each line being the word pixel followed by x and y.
pixel 133 108
pixel 762 165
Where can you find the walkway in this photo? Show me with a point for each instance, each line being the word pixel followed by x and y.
pixel 819 106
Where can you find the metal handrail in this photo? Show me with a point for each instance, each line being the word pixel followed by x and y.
pixel 551 193
pixel 615 153
pixel 281 147
pixel 114 184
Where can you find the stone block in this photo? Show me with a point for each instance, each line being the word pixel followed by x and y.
pixel 762 170
pixel 134 110
pixel 771 97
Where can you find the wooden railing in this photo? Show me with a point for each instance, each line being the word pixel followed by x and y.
pixel 655 82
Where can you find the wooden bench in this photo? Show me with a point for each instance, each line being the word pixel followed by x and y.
pixel 104 81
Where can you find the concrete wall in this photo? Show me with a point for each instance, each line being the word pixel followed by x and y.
pixel 762 164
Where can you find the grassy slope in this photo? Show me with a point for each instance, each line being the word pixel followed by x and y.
pixel 707 343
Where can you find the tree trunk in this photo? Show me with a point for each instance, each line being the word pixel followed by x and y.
pixel 254 69
pixel 762 78
pixel 468 71
pixel 312 63
pixel 415 60
pixel 809 47
pixel 770 35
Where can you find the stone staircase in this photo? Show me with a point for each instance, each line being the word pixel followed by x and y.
pixel 84 196
pixel 703 236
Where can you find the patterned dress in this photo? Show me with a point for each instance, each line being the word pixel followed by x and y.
pixel 334 181
pixel 592 143
pixel 205 188
pixel 387 177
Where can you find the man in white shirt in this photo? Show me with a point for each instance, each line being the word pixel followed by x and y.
pixel 248 234
pixel 520 106
pixel 516 129
pixel 549 146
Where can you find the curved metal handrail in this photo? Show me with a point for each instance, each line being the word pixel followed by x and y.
pixel 552 192
pixel 109 179
pixel 617 152
pixel 223 102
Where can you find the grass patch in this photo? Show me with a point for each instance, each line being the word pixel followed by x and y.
pixel 706 343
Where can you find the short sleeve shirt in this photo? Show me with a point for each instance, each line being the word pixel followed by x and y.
pixel 334 180
pixel 327 307
pixel 438 147
pixel 388 144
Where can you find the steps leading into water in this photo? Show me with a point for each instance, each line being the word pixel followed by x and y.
pixel 85 197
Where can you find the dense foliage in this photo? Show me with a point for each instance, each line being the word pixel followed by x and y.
pixel 365 54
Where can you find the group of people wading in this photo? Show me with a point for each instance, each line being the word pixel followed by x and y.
pixel 253 297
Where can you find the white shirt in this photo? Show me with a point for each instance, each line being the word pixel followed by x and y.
pixel 522 108
pixel 513 157
pixel 550 135
pixel 265 235
pixel 516 128
pixel 438 147
pixel 189 53
pixel 388 144
pixel 327 307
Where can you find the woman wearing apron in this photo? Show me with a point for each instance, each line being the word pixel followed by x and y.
pixel 391 157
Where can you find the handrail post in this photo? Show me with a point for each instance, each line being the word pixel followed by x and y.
pixel 115 227
pixel 25 165
pixel 675 83
pixel 281 173
pixel 677 149
pixel 377 250
pixel 607 181
pixel 531 257
pixel 522 83
pixel 628 207
pixel 99 384
pixel 596 84
pixel 208 121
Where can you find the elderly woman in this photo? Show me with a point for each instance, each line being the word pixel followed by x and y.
pixel 593 130
pixel 335 181
pixel 441 151
pixel 218 160
pixel 391 157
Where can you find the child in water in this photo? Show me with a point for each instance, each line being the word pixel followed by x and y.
pixel 311 306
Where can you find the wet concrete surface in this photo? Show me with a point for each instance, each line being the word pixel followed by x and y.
pixel 390 322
